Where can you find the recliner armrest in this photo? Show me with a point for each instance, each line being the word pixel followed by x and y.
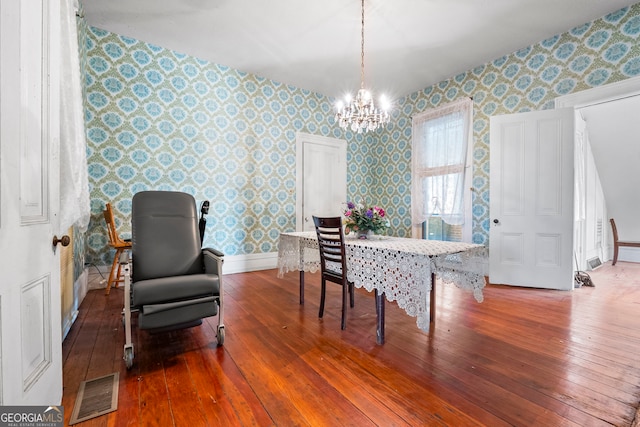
pixel 213 251
pixel 213 260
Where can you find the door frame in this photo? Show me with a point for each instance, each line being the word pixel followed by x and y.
pixel 599 95
pixel 301 139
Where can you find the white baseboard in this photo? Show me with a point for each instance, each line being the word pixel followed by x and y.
pixel 251 262
pixel 232 264
pixel 80 288
pixel 626 253
pixel 629 254
pixel 96 280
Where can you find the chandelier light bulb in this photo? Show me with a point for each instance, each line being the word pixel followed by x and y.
pixel 384 103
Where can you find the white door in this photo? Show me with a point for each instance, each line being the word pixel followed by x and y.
pixel 580 194
pixel 321 178
pixel 30 335
pixel 531 207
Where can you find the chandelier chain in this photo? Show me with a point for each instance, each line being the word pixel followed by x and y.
pixel 362 49
pixel 360 114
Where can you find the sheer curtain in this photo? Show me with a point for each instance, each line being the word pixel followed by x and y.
pixel 74 181
pixel 440 139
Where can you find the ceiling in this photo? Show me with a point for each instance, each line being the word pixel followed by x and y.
pixel 315 45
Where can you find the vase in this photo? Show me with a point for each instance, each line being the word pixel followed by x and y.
pixel 364 234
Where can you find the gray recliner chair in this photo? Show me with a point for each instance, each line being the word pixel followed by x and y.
pixel 174 282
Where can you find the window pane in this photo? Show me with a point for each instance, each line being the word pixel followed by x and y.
pixel 437 229
pixel 444 142
pixel 442 195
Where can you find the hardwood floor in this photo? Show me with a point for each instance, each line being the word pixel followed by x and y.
pixel 523 357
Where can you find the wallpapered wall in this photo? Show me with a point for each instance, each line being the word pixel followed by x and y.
pixel 597 53
pixel 160 120
pixel 157 119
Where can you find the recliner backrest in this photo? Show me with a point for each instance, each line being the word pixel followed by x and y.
pixel 165 235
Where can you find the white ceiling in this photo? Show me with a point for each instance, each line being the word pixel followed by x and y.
pixel 315 45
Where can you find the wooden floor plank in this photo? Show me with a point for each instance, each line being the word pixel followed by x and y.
pixel 523 357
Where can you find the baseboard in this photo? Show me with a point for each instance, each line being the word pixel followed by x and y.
pixel 232 264
pixel 80 288
pixel 251 262
pixel 98 276
pixel 629 254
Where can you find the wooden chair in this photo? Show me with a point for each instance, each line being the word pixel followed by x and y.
pixel 116 243
pixel 333 262
pixel 617 243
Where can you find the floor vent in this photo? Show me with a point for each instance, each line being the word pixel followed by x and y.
pixel 594 263
pixel 96 397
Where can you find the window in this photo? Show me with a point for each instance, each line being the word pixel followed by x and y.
pixel 440 190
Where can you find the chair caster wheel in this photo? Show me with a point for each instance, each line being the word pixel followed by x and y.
pixel 220 335
pixel 128 357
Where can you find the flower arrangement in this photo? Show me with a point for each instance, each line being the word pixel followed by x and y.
pixel 360 219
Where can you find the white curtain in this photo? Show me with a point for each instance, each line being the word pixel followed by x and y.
pixel 74 181
pixel 440 138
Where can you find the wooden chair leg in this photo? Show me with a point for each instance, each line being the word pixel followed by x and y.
pixel 615 254
pixel 114 272
pixel 118 279
pixel 352 294
pixel 345 291
pixel 323 289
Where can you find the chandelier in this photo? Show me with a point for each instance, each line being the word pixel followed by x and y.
pixel 360 114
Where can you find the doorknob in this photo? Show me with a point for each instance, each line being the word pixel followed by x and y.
pixel 496 221
pixel 64 240
pixel 306 219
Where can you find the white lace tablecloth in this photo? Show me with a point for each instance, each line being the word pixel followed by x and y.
pixel 399 267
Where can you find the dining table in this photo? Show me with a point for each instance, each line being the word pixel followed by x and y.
pixel 397 269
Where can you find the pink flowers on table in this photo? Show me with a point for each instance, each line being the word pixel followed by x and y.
pixel 360 218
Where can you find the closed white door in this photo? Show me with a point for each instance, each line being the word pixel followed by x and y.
pixel 321 178
pixel 30 335
pixel 531 207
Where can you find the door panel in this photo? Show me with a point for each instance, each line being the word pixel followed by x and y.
pixel 531 235
pixel 321 178
pixel 30 339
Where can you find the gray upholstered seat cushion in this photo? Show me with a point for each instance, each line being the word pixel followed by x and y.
pixel 169 289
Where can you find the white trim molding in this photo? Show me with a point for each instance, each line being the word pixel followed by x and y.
pixel 232 264
pixel 601 94
pixel 251 262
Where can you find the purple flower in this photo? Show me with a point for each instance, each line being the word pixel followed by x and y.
pixel 369 213
pixel 351 205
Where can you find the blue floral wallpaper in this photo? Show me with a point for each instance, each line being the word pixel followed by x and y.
pixel 158 119
pixel 596 53
pixel 161 120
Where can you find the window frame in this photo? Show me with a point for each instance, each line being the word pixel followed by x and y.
pixel 437 113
